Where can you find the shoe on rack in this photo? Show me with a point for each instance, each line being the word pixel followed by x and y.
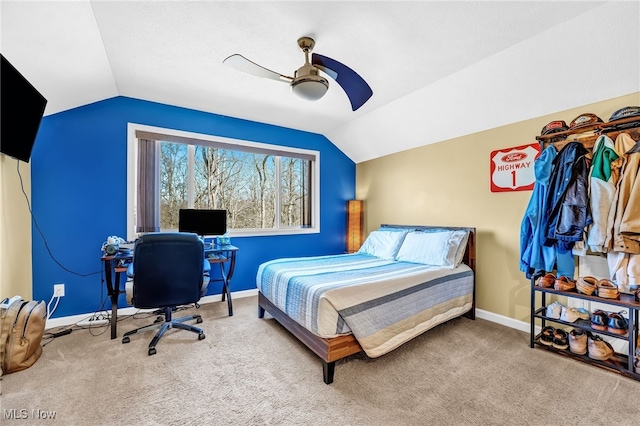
pixel 583 314
pixel 569 314
pixel 607 289
pixel 554 310
pixel 598 349
pixel 565 284
pixel 546 336
pixel 599 320
pixel 617 323
pixel 587 285
pixel 560 339
pixel 546 281
pixel 578 341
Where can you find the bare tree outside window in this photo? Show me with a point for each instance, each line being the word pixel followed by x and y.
pixel 293 191
pixel 173 183
pixel 249 185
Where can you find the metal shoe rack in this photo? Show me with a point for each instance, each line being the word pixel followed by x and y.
pixel 620 363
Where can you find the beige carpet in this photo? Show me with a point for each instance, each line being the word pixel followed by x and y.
pixel 250 371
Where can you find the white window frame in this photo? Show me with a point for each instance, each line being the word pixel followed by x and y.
pixel 132 162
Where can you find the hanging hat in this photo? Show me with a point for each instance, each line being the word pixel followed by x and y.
pixel 584 120
pixel 554 127
pixel 626 112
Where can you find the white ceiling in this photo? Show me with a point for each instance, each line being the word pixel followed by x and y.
pixel 438 70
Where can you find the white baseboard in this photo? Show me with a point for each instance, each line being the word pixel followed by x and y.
pixel 506 321
pixel 73 319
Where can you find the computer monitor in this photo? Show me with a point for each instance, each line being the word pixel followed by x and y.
pixel 203 222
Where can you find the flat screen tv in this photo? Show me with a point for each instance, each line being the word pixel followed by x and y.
pixel 21 110
pixel 203 222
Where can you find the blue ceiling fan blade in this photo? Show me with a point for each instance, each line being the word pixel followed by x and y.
pixel 357 90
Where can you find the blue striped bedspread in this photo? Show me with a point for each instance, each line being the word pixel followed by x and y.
pixel 384 303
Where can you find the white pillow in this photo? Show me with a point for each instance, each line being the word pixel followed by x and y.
pixel 383 244
pixel 444 249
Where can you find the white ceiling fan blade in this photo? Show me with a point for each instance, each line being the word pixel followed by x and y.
pixel 243 64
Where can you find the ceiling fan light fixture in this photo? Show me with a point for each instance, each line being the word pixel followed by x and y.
pixel 310 88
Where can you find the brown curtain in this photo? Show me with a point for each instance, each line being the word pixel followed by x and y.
pixel 148 215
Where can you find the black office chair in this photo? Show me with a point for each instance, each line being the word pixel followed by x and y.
pixel 168 270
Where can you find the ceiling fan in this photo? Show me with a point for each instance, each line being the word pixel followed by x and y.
pixel 307 83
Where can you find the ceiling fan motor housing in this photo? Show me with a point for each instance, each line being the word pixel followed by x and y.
pixel 308 84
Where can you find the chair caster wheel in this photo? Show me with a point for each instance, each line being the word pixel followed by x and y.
pixel 201 336
pixel 126 339
pixel 152 351
pixel 159 319
pixel 199 320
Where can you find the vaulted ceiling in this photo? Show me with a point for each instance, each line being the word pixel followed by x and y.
pixel 438 70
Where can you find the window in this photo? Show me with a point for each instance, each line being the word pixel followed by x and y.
pixel 266 189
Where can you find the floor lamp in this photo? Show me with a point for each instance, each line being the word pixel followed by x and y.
pixel 355 215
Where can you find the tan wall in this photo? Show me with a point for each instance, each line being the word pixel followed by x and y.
pixel 448 183
pixel 15 230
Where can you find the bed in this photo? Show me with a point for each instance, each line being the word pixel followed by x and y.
pixel 404 281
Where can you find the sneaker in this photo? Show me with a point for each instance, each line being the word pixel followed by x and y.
pixel 598 349
pixel 546 336
pixel 583 314
pixel 560 339
pixel 599 320
pixel 578 341
pixel 617 323
pixel 554 310
pixel 569 314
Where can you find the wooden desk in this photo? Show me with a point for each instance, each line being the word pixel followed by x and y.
pixel 114 265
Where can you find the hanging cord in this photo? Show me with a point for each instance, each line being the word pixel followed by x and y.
pixel 49 310
pixel 46 245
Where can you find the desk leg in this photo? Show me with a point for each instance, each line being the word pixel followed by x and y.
pixel 113 292
pixel 114 315
pixel 226 291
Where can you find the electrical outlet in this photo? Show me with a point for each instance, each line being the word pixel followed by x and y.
pixel 58 290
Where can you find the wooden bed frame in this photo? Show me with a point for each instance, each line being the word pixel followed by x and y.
pixel 333 349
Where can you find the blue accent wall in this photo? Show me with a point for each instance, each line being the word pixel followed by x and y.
pixel 79 189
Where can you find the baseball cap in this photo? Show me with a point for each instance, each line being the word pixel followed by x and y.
pixel 584 120
pixel 554 127
pixel 626 112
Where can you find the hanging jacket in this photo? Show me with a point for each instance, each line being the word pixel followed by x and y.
pixel 626 224
pixel 534 257
pixel 621 146
pixel 567 206
pixel 602 191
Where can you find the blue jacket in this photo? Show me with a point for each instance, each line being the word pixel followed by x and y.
pixel 567 210
pixel 534 256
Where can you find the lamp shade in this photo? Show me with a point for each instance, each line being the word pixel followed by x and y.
pixel 355 214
